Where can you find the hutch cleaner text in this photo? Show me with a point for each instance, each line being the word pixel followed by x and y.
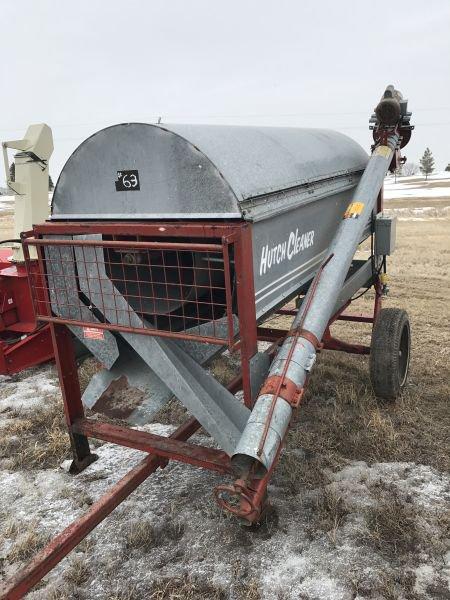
pixel 276 254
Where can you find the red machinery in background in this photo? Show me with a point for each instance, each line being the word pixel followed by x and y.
pixel 24 342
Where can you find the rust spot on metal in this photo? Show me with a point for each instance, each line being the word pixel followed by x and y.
pixel 119 399
pixel 287 389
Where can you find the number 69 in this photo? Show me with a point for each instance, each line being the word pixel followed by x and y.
pixel 129 181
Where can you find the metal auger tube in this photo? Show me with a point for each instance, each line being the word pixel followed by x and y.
pixel 269 420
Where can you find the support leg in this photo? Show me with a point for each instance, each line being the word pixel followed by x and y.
pixel 70 388
pixel 246 308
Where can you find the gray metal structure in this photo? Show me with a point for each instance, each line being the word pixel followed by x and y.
pixel 297 356
pixel 156 234
pixel 205 172
pixel 292 184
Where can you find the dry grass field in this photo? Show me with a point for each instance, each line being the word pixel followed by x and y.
pixel 6 224
pixel 359 505
pixel 415 428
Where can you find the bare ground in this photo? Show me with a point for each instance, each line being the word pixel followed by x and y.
pixel 361 505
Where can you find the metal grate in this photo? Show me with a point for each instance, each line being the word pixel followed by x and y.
pixel 171 289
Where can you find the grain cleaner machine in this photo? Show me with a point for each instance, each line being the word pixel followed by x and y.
pixel 168 244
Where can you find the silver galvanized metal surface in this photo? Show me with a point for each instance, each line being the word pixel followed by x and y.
pixel 247 448
pixel 220 413
pixel 345 242
pixel 204 171
pixel 65 301
pixel 289 247
pixel 150 394
pixel 315 312
pixel 260 160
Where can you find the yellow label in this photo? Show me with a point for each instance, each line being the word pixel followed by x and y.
pixel 383 151
pixel 354 210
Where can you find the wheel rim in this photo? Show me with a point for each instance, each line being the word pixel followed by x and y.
pixel 403 355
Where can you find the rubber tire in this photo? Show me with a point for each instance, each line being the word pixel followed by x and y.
pixel 390 353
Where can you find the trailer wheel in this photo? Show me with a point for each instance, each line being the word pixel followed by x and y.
pixel 390 353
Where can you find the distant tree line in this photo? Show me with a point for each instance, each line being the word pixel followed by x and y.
pixel 426 166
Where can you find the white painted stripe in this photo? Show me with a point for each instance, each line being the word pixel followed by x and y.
pixel 286 282
pixel 311 260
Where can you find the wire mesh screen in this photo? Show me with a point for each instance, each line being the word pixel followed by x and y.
pixel 170 289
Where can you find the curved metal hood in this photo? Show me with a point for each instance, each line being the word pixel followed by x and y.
pixel 203 171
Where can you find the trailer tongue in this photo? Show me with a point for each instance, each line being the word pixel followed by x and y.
pixel 168 245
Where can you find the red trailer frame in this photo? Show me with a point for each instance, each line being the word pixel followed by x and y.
pixel 230 238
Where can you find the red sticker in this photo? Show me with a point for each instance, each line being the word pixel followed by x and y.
pixel 93 333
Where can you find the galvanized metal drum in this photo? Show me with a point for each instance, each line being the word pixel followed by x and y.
pixel 293 185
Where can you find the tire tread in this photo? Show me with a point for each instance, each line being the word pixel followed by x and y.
pixel 384 357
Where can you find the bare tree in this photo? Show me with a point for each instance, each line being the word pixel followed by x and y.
pixel 409 169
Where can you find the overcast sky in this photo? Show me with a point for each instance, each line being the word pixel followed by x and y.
pixel 80 66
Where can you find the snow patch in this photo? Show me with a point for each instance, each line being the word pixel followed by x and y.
pixel 27 390
pixel 291 556
pixel 420 213
pixel 286 557
pixel 414 187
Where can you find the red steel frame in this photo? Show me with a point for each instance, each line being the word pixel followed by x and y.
pixel 23 342
pixel 236 234
pixel 160 449
pixel 43 303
